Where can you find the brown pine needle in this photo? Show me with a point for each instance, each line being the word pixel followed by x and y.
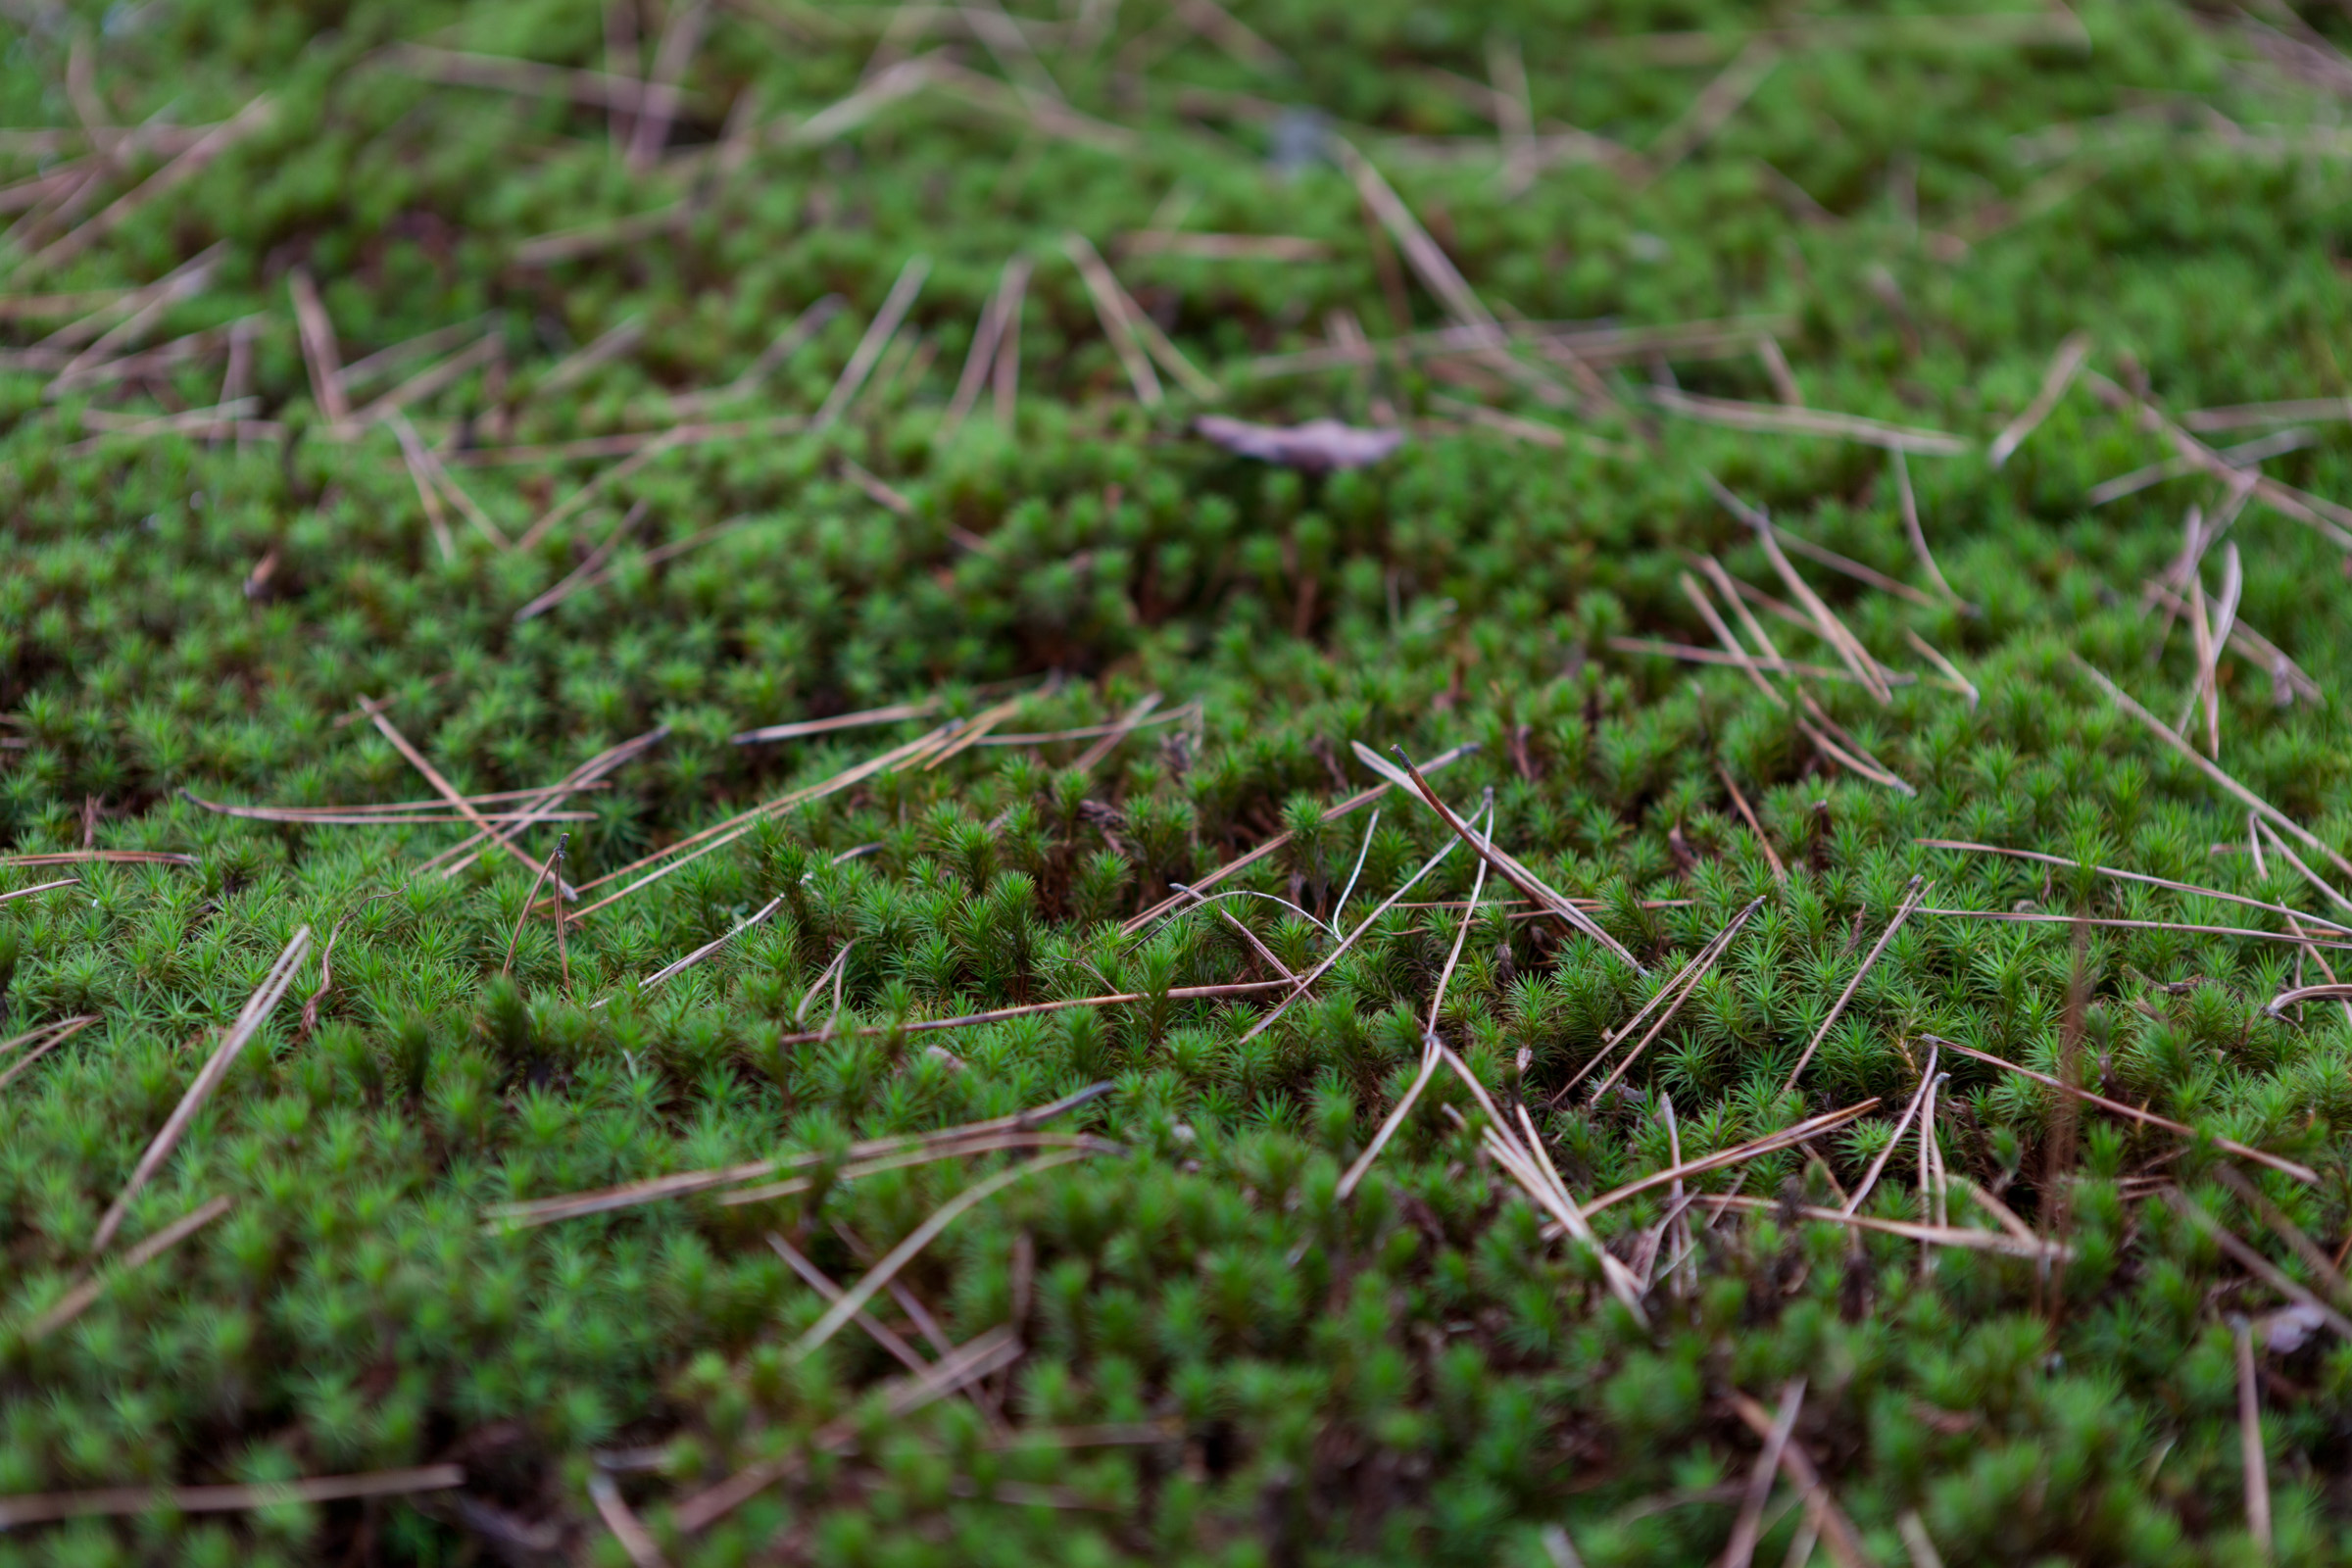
pixel 659 106
pixel 1339 951
pixel 186 166
pixel 880 1333
pixel 1894 1139
pixel 2064 366
pixel 374 709
pixel 106 856
pixel 55 1035
pixel 982 357
pixel 613 1509
pixel 429 381
pixel 1950 672
pixel 854 1300
pixel 1505 864
pixel 248 1022
pixel 2250 1441
pixel 428 494
pixel 1698 970
pixel 1848 566
pixel 1435 268
pixel 573 580
pixel 588 775
pixel 2156 727
pixel 123 1501
pixel 40 887
pixel 1351 804
pixel 1780 873
pixel 2191 888
pixel 1111 311
pixel 528 899
pixel 1730 644
pixel 1389 1125
pixel 425 469
pixel 2253 1262
pixel 1716 103
pixel 2019 917
pixel 1773 419
pixel 2314 1257
pixel 563 510
pixel 682 1184
pixel 1911 897
pixel 1128 723
pixel 1919 534
pixel 794 730
pixel 82 1296
pixel 663 976
pixel 1105 285
pixel 319 351
pixel 878 333
pixel 1741 1551
pixel 1838 1532
pixel 1954 1235
pixel 2285 1167
pixel 1788 1137
pixel 772 358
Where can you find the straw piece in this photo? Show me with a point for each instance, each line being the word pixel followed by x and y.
pixel 248 1022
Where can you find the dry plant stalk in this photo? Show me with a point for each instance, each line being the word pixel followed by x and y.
pixel 1911 897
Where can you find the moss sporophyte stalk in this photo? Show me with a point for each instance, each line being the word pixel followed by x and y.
pixel 1174 783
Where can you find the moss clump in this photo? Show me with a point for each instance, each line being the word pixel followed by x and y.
pixel 1200 1340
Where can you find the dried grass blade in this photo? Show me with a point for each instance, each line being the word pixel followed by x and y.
pixel 248 1022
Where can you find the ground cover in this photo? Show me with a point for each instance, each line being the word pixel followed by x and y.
pixel 1692 939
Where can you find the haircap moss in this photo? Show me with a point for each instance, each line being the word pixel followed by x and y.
pixel 674 540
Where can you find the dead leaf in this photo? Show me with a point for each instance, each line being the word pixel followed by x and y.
pixel 1317 446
